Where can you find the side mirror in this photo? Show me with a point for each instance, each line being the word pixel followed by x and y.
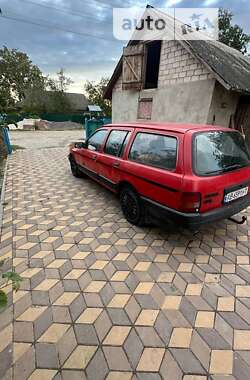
pixel 80 144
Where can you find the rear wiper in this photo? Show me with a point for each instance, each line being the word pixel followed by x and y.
pixel 224 170
pixel 232 167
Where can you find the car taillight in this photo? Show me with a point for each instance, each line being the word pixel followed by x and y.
pixel 190 202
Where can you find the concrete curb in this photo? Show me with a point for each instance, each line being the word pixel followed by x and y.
pixel 3 194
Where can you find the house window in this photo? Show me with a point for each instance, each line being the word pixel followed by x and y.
pixel 145 108
pixel 153 54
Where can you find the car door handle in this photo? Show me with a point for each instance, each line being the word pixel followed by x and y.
pixel 116 164
pixel 94 157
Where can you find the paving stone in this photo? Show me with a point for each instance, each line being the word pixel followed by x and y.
pixel 221 362
pixel 133 348
pixel 80 357
pixel 187 361
pixel 116 359
pixel 23 332
pixel 72 375
pixel 102 299
pixel 97 369
pixel 170 369
pixel 151 360
pixel 118 316
pixel 46 355
pixel 213 339
pixel 85 334
pixel 149 337
pixel 25 365
pixel 102 325
pixel 241 369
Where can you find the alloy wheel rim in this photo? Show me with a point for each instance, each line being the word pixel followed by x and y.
pixel 129 207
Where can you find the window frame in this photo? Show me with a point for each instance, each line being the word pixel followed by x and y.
pixel 120 149
pixel 158 133
pixel 96 131
pixel 145 63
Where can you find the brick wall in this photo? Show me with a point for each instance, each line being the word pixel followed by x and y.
pixel 177 65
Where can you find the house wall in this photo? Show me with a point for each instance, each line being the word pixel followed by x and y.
pixel 184 93
pixel 177 65
pixel 223 106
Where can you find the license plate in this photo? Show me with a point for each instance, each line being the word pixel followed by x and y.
pixel 236 194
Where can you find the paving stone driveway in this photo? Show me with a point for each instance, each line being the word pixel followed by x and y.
pixel 101 299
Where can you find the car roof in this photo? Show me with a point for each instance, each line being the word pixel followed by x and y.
pixel 171 127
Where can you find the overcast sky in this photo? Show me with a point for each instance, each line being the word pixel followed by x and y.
pixel 81 55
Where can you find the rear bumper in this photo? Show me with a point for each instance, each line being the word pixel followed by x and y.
pixel 195 220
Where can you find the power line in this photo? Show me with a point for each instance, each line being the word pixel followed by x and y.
pixel 63 10
pixel 56 27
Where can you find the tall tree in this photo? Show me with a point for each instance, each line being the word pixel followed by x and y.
pixel 62 82
pixel 51 98
pixel 95 92
pixel 58 101
pixel 17 75
pixel 232 35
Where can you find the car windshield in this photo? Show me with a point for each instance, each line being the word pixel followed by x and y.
pixel 218 152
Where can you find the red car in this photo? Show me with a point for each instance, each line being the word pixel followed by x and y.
pixel 191 174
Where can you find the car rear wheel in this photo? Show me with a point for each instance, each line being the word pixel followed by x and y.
pixel 131 206
pixel 74 168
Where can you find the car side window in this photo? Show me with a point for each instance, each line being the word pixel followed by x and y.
pixel 154 150
pixel 114 143
pixel 95 142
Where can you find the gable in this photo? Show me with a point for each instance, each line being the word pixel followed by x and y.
pixel 177 65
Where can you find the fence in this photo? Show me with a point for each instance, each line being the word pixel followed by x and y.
pixel 5 145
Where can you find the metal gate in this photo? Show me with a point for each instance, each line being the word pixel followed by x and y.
pixel 93 124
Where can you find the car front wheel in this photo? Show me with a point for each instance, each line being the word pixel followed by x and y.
pixel 131 206
pixel 74 168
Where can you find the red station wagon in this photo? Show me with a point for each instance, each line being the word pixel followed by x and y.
pixel 190 174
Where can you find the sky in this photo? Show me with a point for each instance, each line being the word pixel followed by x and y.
pixel 79 38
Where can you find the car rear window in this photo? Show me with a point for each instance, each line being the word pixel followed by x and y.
pixel 217 152
pixel 114 143
pixel 154 150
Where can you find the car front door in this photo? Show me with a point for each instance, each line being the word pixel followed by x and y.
pixel 110 160
pixel 90 154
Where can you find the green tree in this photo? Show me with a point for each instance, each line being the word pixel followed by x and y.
pixel 57 99
pixel 95 92
pixel 232 35
pixel 17 75
pixel 49 98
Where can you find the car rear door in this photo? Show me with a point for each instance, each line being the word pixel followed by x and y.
pixel 110 159
pixel 153 165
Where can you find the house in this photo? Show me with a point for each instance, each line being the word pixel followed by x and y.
pixel 78 102
pixel 45 100
pixel 194 81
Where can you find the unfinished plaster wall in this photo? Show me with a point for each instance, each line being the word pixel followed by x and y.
pixel 187 102
pixel 223 106
pixel 184 93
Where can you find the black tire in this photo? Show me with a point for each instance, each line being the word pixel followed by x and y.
pixel 131 206
pixel 74 168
